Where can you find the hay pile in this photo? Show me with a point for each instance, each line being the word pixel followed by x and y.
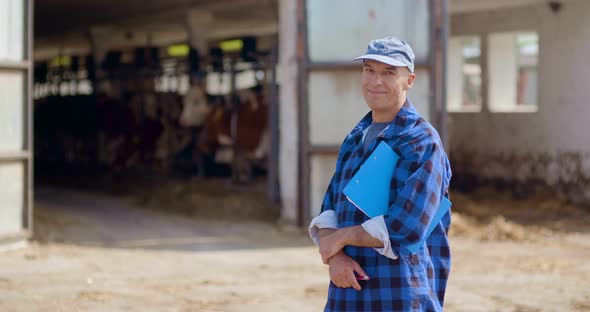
pixel 213 198
pixel 492 215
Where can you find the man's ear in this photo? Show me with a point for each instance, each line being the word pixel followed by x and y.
pixel 410 81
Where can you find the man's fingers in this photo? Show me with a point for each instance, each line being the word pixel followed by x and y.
pixel 342 273
pixel 340 282
pixel 352 280
pixel 342 279
pixel 360 271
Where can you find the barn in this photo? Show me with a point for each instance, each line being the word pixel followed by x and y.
pixel 94 88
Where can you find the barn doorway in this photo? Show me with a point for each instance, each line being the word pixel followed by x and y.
pixel 110 92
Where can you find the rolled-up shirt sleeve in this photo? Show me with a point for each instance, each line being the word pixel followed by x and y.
pixel 376 227
pixel 326 220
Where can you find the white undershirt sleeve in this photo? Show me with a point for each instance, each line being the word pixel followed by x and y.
pixel 376 227
pixel 326 220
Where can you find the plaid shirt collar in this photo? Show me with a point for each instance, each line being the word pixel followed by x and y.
pixel 402 123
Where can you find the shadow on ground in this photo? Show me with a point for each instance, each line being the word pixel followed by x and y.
pixel 151 222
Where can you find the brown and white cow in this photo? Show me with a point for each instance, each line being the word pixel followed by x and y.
pixel 195 107
pixel 219 123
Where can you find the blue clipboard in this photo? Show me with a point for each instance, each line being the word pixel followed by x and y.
pixel 369 188
pixel 442 210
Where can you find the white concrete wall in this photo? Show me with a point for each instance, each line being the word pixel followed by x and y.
pixel 455 75
pixel 288 117
pixel 502 62
pixel 553 144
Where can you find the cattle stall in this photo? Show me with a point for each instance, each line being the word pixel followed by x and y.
pixel 182 91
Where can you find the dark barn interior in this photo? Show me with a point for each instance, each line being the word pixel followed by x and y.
pixel 132 97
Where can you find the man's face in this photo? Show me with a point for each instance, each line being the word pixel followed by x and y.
pixel 384 86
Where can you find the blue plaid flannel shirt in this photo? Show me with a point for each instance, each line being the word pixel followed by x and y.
pixel 412 282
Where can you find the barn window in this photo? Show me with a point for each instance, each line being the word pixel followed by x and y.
pixel 464 74
pixel 513 59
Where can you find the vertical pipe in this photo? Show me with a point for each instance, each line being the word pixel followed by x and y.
pixel 438 39
pixel 485 78
pixel 234 104
pixel 431 64
pixel 28 43
pixel 96 66
pixel 303 124
pixel 273 128
pixel 444 82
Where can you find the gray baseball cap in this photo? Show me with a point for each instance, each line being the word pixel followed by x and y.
pixel 390 50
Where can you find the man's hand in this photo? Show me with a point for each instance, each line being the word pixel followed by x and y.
pixel 330 245
pixel 332 241
pixel 342 269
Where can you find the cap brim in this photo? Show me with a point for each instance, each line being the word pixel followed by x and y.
pixel 382 59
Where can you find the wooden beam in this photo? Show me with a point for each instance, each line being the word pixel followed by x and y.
pixel 173 11
pixel 10 156
pixel 5 65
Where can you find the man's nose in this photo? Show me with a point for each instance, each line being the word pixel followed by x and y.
pixel 378 80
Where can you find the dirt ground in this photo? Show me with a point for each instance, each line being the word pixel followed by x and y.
pixel 97 252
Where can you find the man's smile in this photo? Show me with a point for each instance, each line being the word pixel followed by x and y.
pixel 373 92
